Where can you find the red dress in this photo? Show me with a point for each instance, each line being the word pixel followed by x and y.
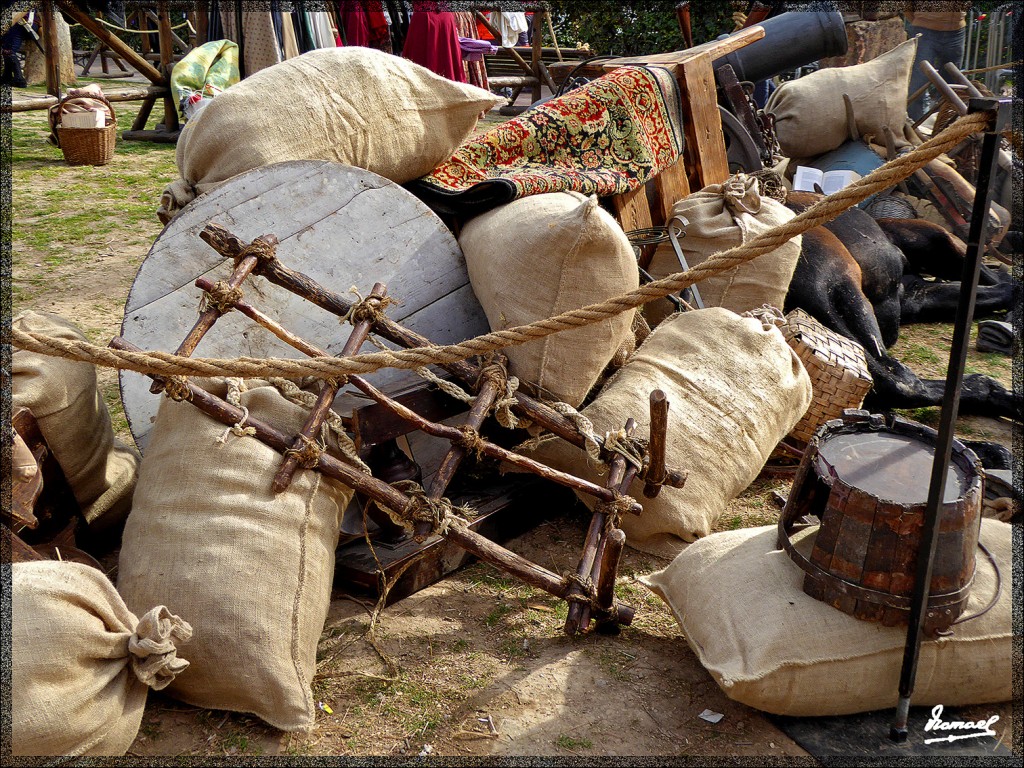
pixel 365 24
pixel 433 40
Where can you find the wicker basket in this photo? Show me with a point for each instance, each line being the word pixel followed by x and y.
pixel 837 367
pixel 88 146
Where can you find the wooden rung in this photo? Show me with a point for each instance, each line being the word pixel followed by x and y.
pixel 511 81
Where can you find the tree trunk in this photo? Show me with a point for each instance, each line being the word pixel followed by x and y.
pixel 35 62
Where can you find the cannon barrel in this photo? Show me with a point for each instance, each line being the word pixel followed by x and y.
pixel 791 40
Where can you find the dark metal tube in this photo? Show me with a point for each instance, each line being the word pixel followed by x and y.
pixel 950 406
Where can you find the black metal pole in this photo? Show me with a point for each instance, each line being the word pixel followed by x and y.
pixel 950 405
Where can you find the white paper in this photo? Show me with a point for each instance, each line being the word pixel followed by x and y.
pixel 711 717
pixel 805 178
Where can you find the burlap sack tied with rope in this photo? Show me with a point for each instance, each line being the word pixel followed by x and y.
pixel 356 106
pixel 810 114
pixel 82 662
pixel 735 389
pixel 251 569
pixel 544 254
pixel 719 217
pixel 741 606
pixel 66 402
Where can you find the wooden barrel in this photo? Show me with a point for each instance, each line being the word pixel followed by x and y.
pixel 867 481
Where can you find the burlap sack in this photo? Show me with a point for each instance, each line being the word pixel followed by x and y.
pixel 735 388
pixel 742 609
pixel 810 115
pixel 74 420
pixel 542 255
pixel 81 661
pixel 722 216
pixel 357 106
pixel 252 570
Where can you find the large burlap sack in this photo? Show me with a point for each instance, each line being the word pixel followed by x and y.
pixel 356 106
pixel 742 609
pixel 735 389
pixel 82 662
pixel 722 216
pixel 541 255
pixel 252 570
pixel 65 401
pixel 810 115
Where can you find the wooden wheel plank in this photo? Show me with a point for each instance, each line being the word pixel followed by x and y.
pixel 339 225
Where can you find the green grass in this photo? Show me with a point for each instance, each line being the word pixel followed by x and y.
pixel 573 743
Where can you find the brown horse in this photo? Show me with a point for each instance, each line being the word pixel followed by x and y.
pixel 864 278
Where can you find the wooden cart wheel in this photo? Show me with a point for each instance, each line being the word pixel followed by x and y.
pixel 740 148
pixel 342 226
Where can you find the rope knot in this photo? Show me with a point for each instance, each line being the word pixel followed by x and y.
pixel 615 510
pixel 308 455
pixel 176 388
pixel 263 249
pixel 471 441
pixel 632 449
pixel 221 297
pixel 439 513
pixel 585 586
pixel 497 373
pixel 368 310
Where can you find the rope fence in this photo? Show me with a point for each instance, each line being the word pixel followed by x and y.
pixel 168 364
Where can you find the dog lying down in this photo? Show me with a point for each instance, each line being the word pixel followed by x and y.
pixel 864 278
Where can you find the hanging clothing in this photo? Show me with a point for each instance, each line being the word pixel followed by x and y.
pixel 365 24
pixel 257 39
pixel 323 32
pixel 511 26
pixel 433 40
pixel 476 72
pixel 289 45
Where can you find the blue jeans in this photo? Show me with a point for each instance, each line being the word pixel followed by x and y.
pixel 937 48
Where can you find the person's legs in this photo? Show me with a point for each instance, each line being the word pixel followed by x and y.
pixel 11 44
pixel 937 48
pixel 925 52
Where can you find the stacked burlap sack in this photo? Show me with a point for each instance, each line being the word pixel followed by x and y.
pixel 251 569
pixel 720 217
pixel 543 255
pixel 735 389
pixel 81 662
pixel 73 419
pixel 741 606
pixel 810 113
pixel 356 106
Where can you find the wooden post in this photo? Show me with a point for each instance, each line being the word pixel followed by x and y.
pixel 166 65
pixel 48 26
pixel 535 59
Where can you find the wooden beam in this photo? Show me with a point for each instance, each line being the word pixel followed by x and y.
pixel 116 44
pixel 166 66
pixel 51 49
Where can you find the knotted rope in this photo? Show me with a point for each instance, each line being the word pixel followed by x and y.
pixel 234 397
pixel 421 508
pixel 166 364
pixel 221 297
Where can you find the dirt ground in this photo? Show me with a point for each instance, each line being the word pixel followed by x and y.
pixel 475 665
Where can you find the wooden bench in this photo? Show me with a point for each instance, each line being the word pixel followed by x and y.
pixel 504 71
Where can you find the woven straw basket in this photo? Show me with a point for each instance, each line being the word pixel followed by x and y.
pixel 837 367
pixel 89 146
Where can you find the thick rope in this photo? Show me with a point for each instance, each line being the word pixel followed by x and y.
pixel 167 364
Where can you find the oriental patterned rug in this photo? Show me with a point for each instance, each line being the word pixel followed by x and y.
pixel 606 137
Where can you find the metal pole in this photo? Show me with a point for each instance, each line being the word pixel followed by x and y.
pixel 950 406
